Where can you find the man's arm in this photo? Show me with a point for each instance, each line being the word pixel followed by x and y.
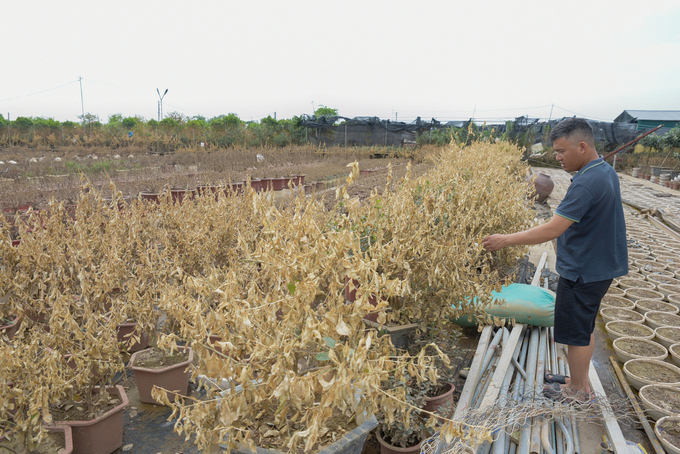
pixel 537 235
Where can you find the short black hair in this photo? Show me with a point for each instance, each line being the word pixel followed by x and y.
pixel 570 126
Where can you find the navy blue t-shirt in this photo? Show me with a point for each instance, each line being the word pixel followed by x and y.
pixel 594 247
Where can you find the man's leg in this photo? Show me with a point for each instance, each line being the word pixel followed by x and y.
pixel 579 365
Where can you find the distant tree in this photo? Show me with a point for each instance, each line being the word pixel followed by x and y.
pixel 269 121
pixel 130 122
pixel 231 119
pixel 48 123
pixel 23 122
pixel 671 140
pixel 115 119
pixel 652 141
pixel 169 122
pixel 3 122
pixel 88 118
pixel 179 117
pixel 324 110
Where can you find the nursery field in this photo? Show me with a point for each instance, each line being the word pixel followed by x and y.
pixel 33 176
pixel 297 320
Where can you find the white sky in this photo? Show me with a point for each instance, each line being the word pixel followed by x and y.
pixel 442 59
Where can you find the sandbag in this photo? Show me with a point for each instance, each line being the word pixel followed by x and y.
pixel 523 303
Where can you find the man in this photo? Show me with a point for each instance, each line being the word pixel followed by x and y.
pixel 591 250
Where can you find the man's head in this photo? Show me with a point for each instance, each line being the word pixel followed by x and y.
pixel 574 143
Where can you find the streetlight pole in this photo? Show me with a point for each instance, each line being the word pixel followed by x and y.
pixel 160 114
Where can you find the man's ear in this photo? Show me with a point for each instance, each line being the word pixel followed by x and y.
pixel 582 147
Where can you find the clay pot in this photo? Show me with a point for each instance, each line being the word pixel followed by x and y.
pixel 351 289
pixel 9 328
pixel 150 196
pixel 68 437
pixel 256 184
pixel 125 332
pixel 389 449
pixel 174 377
pixel 266 184
pixel 279 184
pixel 101 435
pixel 178 195
pixel 434 403
pixel 320 185
pixel 544 186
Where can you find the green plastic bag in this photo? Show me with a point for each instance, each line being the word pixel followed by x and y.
pixel 523 303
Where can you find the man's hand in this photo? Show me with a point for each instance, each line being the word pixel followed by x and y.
pixel 495 242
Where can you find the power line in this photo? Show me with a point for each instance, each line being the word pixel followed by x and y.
pixel 39 92
pixel 580 115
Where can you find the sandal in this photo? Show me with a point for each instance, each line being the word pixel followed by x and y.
pixel 554 392
pixel 550 378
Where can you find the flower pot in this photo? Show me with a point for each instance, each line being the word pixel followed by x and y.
pixel 178 195
pixel 173 378
pixel 655 319
pixel 351 289
pixel 256 184
pixel 632 282
pixel 615 291
pixel 266 184
pixel 544 186
pixel 638 293
pixel 150 196
pixel 278 184
pixel 9 328
pixel 660 400
pixel 68 437
pixel 667 335
pixel 386 448
pixel 617 301
pixel 125 331
pixel 667 429
pixel 302 178
pixel 641 372
pixel 320 185
pixel 668 289
pixel 645 305
pixel 350 443
pixel 432 404
pixel 101 435
pixel 401 335
pixel 614 313
pixel 619 328
pixel 675 353
pixel 628 348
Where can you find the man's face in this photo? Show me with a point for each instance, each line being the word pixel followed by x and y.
pixel 569 153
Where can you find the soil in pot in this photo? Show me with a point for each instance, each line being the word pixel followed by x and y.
pixel 640 348
pixel 626 283
pixel 653 372
pixel 669 332
pixel 153 358
pixel 664 319
pixel 629 329
pixel 646 305
pixel 643 293
pixel 615 291
pixel 621 314
pixel 670 431
pixel 617 301
pixel 668 399
pixel 76 409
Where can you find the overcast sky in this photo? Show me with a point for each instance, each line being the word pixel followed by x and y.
pixel 442 59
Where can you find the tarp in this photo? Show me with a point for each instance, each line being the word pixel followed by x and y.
pixel 524 303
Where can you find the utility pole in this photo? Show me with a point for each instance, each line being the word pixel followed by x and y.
pixel 551 109
pixel 82 105
pixel 160 106
pixel 9 132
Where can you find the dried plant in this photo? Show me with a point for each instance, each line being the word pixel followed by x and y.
pixel 266 280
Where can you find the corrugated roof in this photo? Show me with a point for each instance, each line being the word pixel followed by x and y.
pixel 655 115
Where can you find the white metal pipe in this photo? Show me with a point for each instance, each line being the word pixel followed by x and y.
pixel 524 441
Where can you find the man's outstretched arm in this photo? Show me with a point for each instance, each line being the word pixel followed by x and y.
pixel 537 235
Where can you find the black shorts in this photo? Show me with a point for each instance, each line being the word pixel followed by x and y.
pixel 576 306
